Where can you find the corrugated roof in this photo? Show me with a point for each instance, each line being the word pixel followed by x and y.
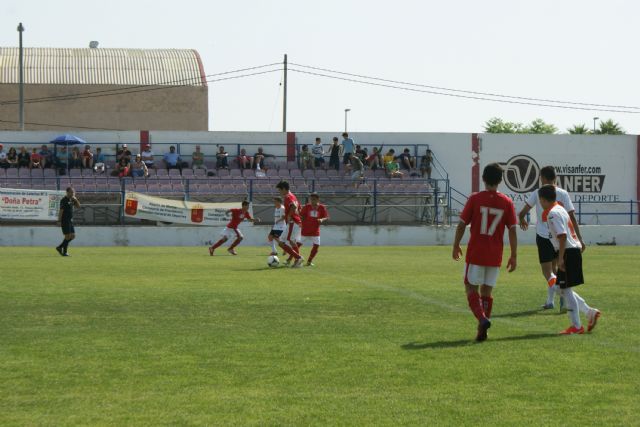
pixel 128 67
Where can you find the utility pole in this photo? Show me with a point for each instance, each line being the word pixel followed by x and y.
pixel 21 72
pixel 284 103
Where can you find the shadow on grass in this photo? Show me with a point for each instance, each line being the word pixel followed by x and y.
pixel 463 343
pixel 519 313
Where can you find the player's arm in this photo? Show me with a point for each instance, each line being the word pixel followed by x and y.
pixel 513 243
pixel 75 201
pixel 562 239
pixel 60 216
pixel 576 228
pixel 457 250
pixel 324 217
pixel 522 216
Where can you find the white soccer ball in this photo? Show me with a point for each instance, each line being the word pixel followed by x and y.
pixel 273 261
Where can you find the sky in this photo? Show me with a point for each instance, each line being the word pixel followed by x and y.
pixel 575 50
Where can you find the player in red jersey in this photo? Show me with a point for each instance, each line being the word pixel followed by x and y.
pixel 488 212
pixel 313 215
pixel 294 222
pixel 231 230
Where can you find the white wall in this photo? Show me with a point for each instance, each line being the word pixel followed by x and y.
pixel 256 236
pixel 274 142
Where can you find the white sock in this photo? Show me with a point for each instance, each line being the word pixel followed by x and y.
pixel 582 305
pixel 273 246
pixel 550 293
pixel 572 307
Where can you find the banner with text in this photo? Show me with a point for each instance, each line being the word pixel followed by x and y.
pixel 141 206
pixel 40 205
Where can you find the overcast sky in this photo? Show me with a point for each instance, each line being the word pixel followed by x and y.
pixel 576 50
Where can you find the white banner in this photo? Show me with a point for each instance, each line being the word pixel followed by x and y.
pixel 40 205
pixel 177 211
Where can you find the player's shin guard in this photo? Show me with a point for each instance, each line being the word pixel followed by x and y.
pixel 487 305
pixel 572 307
pixel 476 307
pixel 314 251
pixel 236 243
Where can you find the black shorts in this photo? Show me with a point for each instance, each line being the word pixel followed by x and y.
pixel 67 227
pixel 546 251
pixel 346 159
pixel 318 161
pixel 276 233
pixel 572 274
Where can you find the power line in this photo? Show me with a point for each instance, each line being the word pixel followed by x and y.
pixel 497 95
pixel 453 95
pixel 128 89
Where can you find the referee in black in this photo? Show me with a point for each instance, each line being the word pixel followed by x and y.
pixel 65 219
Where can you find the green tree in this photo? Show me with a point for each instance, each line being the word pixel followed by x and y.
pixel 539 126
pixel 581 129
pixel 609 127
pixel 497 125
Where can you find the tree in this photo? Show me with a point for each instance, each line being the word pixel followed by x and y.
pixel 539 126
pixel 581 129
pixel 609 127
pixel 497 125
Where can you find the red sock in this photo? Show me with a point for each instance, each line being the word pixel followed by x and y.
pixel 294 248
pixel 314 251
pixel 290 251
pixel 476 307
pixel 297 249
pixel 487 304
pixel 219 243
pixel 236 243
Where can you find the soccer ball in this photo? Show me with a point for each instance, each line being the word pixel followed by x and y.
pixel 273 261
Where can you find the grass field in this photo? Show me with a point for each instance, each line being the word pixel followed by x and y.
pixel 375 336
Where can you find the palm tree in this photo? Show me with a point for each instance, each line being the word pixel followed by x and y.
pixel 579 130
pixel 609 127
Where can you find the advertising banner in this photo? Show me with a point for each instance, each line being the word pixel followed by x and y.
pixel 39 205
pixel 141 206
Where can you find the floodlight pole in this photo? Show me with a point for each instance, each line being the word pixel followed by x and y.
pixel 284 102
pixel 594 124
pixel 346 111
pixel 21 76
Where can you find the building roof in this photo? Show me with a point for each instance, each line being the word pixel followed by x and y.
pixel 127 67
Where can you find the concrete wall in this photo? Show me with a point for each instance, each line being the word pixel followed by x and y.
pixel 156 107
pixel 256 236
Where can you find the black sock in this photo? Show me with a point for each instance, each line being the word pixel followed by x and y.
pixel 61 245
pixel 65 244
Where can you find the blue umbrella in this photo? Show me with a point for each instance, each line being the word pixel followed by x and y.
pixel 66 140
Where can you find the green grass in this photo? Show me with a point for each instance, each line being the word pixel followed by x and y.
pixel 376 336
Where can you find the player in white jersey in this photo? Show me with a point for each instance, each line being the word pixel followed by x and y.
pixel 566 242
pixel 547 255
pixel 279 224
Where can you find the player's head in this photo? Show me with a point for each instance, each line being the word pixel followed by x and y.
pixel 548 175
pixel 283 187
pixel 277 201
pixel 345 135
pixel 70 191
pixel 314 198
pixel 547 195
pixel 492 175
pixel 245 205
pixel 318 140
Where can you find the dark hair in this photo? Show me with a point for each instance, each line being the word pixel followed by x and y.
pixel 547 192
pixel 304 147
pixel 314 194
pixel 277 199
pixel 245 203
pixel 69 189
pixel 548 173
pixel 391 150
pixel 283 185
pixel 492 174
pixel 406 150
pixel 335 138
pixel 318 139
pixel 345 134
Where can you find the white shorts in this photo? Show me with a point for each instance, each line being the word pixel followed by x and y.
pixel 293 232
pixel 314 239
pixel 480 275
pixel 230 233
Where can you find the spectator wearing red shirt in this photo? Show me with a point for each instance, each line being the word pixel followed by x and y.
pixel 313 215
pixel 488 212
pixel 294 223
pixel 35 160
pixel 231 230
pixel 87 157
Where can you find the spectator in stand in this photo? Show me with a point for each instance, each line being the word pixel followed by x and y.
pixel 99 164
pixel 35 160
pixel 391 165
pixel 46 157
pixel 305 158
pixel 123 152
pixel 361 153
pixel 425 164
pixel 76 159
pixel 375 159
pixel 318 154
pixel 12 158
pixel 334 158
pixel 222 159
pixel 389 157
pixel 259 157
pixel 244 161
pixel 60 160
pixel 357 167
pixel 4 164
pixel 122 168
pixel 24 159
pixel 147 156
pixel 172 159
pixel 197 160
pixel 138 168
pixel 87 157
pixel 347 148
pixel 406 161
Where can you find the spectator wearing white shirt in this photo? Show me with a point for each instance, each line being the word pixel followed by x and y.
pixel 147 156
pixel 318 154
